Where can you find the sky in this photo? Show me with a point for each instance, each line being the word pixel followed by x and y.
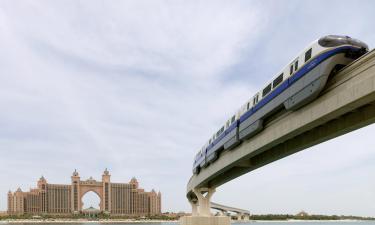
pixel 138 87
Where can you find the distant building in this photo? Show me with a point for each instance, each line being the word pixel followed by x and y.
pixel 61 199
pixel 302 214
pixel 3 213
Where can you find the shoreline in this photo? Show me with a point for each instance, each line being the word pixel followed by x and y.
pixel 86 221
pixel 308 221
pixel 129 221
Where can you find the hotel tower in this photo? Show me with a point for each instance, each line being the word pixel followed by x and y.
pixel 60 199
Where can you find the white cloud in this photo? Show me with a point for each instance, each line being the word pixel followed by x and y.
pixel 138 86
pixel 125 86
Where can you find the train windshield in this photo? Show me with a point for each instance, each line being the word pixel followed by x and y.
pixel 337 40
pixel 333 40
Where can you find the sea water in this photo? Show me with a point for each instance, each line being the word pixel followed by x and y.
pixel 233 223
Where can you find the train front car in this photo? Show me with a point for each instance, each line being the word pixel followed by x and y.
pixel 337 40
pixel 303 80
pixel 333 52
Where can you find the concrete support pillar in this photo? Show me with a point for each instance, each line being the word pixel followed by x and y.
pixel 223 213
pixel 201 214
pixel 194 207
pixel 246 217
pixel 205 220
pixel 204 201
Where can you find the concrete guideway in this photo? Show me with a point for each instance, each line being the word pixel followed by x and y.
pixel 229 209
pixel 242 214
pixel 346 104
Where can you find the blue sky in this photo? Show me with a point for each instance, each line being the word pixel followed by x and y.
pixel 139 86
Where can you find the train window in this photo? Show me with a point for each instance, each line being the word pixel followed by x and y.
pixel 296 65
pixel 233 118
pixel 255 100
pixel 308 55
pixel 248 106
pixel 277 81
pixel 266 90
pixel 220 131
pixel 228 123
pixel 291 69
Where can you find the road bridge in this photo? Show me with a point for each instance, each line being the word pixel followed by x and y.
pixel 346 104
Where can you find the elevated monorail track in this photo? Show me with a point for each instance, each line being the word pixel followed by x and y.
pixel 347 103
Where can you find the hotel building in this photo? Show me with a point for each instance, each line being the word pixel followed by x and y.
pixel 59 199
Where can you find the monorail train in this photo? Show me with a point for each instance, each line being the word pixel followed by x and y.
pixel 299 83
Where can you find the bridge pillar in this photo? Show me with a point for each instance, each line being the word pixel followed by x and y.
pixel 194 207
pixel 204 201
pixel 223 213
pixel 239 216
pixel 201 214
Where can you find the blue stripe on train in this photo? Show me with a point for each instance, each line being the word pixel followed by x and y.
pixel 282 87
pixel 305 69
